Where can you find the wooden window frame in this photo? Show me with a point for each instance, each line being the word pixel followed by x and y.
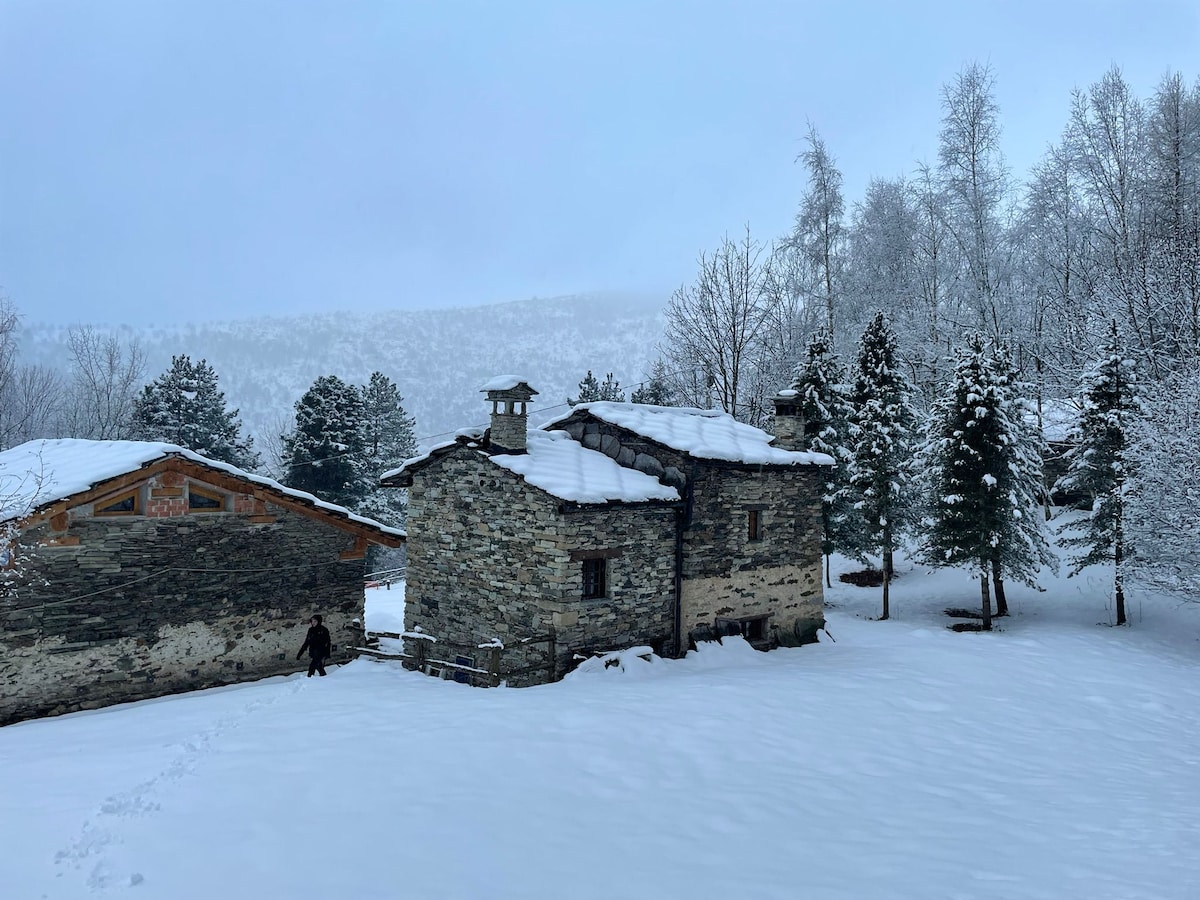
pixel 754 525
pixel 207 493
pixel 100 506
pixel 595 586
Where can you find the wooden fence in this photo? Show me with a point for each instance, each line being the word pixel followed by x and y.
pixel 443 659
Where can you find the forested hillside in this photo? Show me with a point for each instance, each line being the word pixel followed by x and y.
pixel 438 358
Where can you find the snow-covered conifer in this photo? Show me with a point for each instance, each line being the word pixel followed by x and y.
pixel 185 406
pixel 325 454
pixel 591 389
pixel 883 429
pixel 389 438
pixel 820 383
pixel 984 472
pixel 656 390
pixel 1162 513
pixel 1098 465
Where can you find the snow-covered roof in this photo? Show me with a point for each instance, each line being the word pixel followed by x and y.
pixel 38 473
pixel 702 433
pixel 505 383
pixel 414 462
pixel 566 469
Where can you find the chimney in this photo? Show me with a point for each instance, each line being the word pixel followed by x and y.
pixel 789 421
pixel 508 395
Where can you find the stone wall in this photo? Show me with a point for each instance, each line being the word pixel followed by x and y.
pixel 727 575
pixel 124 608
pixel 491 557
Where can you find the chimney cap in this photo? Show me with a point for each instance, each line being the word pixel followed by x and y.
pixel 510 386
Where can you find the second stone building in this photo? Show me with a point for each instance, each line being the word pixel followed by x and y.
pixel 618 525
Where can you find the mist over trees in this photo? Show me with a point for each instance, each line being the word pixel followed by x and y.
pixel 1106 225
pixel 1099 241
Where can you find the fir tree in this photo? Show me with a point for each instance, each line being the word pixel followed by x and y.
pixel 591 390
pixel 185 406
pixel 655 390
pixel 820 383
pixel 326 454
pixel 882 436
pixel 1099 465
pixel 1025 548
pixel 389 438
pixel 984 477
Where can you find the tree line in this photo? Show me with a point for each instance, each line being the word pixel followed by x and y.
pixel 341 438
pixel 1077 288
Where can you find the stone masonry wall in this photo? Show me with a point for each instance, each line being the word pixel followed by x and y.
pixel 729 575
pixel 118 619
pixel 726 575
pixel 491 557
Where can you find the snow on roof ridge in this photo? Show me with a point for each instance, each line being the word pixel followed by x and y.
pixel 701 433
pixel 69 466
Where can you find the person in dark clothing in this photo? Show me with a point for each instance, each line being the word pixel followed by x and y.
pixel 318 645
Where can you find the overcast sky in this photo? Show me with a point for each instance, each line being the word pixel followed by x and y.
pixel 183 161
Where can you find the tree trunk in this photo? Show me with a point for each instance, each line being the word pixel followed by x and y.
pixel 886 582
pixel 998 583
pixel 888 568
pixel 984 597
pixel 1118 581
pixel 828 583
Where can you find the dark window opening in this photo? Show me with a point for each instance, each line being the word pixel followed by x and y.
pixel 595 573
pixel 204 501
pixel 460 676
pixel 122 506
pixel 753 628
pixel 754 525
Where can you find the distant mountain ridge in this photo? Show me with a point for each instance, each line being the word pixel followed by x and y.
pixel 439 358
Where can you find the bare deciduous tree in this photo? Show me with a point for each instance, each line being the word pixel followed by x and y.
pixel 106 374
pixel 714 328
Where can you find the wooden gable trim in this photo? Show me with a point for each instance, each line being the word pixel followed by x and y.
pixel 358 551
pixel 220 479
pixel 236 485
pixel 200 491
pixel 100 505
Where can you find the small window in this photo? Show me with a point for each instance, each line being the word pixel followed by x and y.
pixel 459 675
pixel 754 525
pixel 124 505
pixel 754 629
pixel 595 572
pixel 201 500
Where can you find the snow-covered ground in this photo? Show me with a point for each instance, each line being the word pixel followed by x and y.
pixel 1057 758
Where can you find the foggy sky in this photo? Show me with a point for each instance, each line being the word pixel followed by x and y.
pixel 184 161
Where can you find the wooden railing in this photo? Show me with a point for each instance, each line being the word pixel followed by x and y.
pixel 428 656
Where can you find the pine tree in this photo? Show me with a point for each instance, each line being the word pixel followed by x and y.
pixel 820 382
pixel 984 481
pixel 1099 465
pixel 326 454
pixel 655 390
pixel 389 438
pixel 882 436
pixel 1024 549
pixel 185 406
pixel 591 390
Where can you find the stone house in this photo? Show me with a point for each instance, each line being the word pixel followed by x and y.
pixel 617 525
pixel 138 569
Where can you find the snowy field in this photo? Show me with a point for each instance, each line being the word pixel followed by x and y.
pixel 1057 758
